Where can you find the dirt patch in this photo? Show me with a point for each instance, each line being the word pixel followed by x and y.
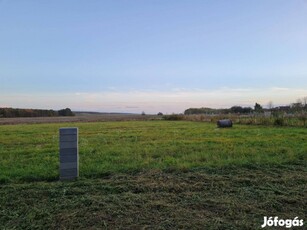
pixel 78 118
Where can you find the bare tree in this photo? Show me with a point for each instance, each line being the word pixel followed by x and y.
pixel 270 105
pixel 304 101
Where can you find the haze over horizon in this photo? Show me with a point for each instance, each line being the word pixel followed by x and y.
pixel 153 56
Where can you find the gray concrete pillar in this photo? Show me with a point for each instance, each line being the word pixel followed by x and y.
pixel 69 153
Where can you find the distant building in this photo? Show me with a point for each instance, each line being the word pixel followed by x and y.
pixel 285 109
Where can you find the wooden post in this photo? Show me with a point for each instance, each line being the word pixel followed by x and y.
pixel 69 154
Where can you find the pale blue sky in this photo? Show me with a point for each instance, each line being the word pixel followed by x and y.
pixel 151 55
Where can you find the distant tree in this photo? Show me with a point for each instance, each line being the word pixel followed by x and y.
pixel 297 106
pixel 143 113
pixel 11 112
pixel 258 108
pixel 66 112
pixel 241 110
pixel 160 114
pixel 236 109
pixel 300 109
pixel 247 110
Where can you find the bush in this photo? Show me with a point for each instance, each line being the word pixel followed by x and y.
pixel 279 121
pixel 173 117
pixel 303 117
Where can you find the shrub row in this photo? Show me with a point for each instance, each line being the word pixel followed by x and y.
pixel 298 120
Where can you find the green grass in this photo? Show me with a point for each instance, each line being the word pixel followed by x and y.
pixel 153 175
pixel 30 152
pixel 196 199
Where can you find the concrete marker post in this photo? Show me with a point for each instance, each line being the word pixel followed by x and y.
pixel 69 153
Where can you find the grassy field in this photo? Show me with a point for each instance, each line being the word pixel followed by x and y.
pixel 153 174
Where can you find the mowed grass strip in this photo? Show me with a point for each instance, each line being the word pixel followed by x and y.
pixel 31 152
pixel 235 198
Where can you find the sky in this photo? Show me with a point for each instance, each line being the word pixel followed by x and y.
pixel 151 55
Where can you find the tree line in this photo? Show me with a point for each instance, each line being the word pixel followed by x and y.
pixel 233 109
pixel 15 112
pixel 298 107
